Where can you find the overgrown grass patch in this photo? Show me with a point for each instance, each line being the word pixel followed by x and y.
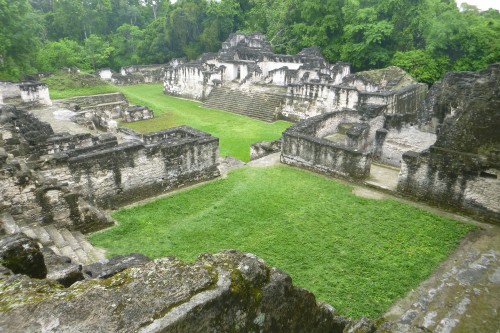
pixel 355 253
pixel 63 85
pixel 236 133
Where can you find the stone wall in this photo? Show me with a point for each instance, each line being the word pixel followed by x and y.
pixel 135 74
pixel 191 81
pixel 30 93
pixel 306 100
pixel 391 143
pixel 461 169
pixel 132 171
pixel 452 179
pixel 304 145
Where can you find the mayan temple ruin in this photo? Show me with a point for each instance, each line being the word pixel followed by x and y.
pixel 61 175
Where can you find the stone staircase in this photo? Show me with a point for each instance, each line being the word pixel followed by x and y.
pixel 254 104
pixel 62 241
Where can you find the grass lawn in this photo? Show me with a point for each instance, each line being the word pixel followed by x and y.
pixel 357 254
pixel 236 133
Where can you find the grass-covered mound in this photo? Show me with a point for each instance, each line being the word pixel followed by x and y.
pixel 63 85
pixel 236 133
pixel 357 254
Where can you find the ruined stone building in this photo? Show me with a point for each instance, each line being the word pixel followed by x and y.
pixel 56 185
pixel 347 121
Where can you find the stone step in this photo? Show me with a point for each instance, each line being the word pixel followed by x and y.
pixel 93 253
pixel 256 113
pixel 9 224
pixel 258 105
pixel 64 242
pixel 68 252
pixel 28 231
pixel 56 236
pixel 83 257
pixel 43 235
pixel 55 249
pixel 79 254
pixel 70 239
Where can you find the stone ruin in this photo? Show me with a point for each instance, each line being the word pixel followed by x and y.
pixel 102 111
pixel 55 186
pixel 462 168
pixel 246 77
pixel 134 74
pixel 28 93
pixel 447 146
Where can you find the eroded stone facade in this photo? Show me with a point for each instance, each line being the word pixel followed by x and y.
pixel 305 84
pixel 64 179
pixel 29 93
pixel 462 168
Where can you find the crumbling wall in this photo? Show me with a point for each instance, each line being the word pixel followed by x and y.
pixel 57 176
pixel 264 148
pixel 135 74
pixel 191 81
pixel 461 169
pixel 133 171
pixel 304 146
pixel 32 198
pixel 452 179
pixel 306 100
pixel 392 142
pixel 136 113
pixel 309 99
pixel 102 110
pixel 31 93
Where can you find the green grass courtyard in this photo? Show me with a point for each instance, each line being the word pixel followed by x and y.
pixel 357 254
pixel 236 133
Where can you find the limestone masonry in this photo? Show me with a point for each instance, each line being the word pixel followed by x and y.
pixel 56 185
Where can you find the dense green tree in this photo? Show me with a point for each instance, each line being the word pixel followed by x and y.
pixel 20 31
pixel 97 52
pixel 426 37
pixel 62 53
pixel 154 48
pixel 366 36
pixel 221 20
pixel 422 65
pixel 469 38
pixel 125 42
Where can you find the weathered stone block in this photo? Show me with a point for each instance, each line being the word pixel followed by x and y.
pixel 22 255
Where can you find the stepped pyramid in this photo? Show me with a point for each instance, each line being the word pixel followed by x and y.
pixel 255 104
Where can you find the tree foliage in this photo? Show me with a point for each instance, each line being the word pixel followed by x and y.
pixel 425 37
